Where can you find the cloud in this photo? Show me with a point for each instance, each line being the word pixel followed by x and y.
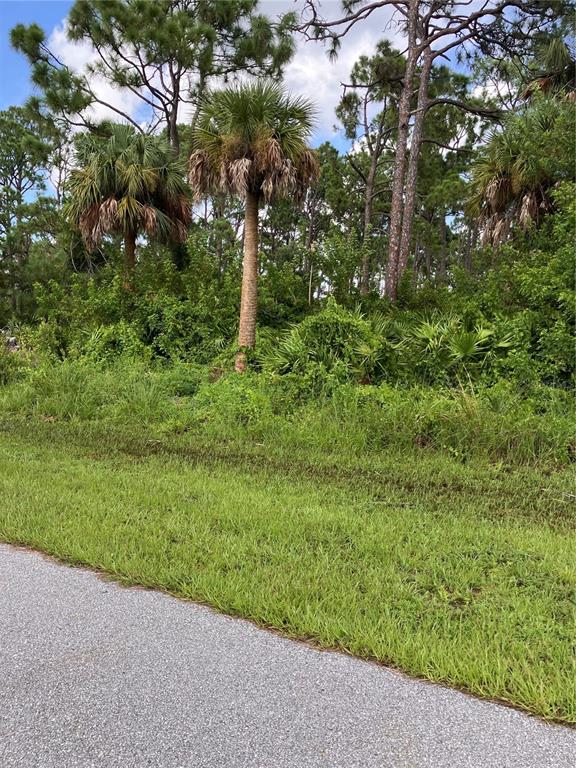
pixel 312 74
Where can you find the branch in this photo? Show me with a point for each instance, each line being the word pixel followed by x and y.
pixel 446 146
pixel 358 170
pixel 350 20
pixel 493 114
pixel 118 112
pixel 84 87
pixel 131 88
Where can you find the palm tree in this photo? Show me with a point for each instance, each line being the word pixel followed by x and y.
pixel 552 71
pixel 516 171
pixel 250 141
pixel 129 183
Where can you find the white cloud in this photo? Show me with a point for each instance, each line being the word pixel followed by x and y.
pixel 312 74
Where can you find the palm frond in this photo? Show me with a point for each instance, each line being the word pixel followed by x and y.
pixel 253 138
pixel 127 180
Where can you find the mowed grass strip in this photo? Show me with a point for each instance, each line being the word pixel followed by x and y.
pixel 441 590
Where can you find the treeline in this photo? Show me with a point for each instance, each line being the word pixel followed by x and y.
pixel 446 223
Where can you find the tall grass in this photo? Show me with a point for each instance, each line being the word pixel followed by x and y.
pixel 497 423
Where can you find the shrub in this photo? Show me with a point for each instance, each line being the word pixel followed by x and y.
pixel 444 351
pixel 107 343
pixel 334 344
pixel 11 363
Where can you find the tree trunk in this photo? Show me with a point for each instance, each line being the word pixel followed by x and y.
pixel 412 173
pixel 172 108
pixel 249 300
pixel 129 258
pixel 308 260
pixel 173 134
pixel 200 88
pixel 443 261
pixel 368 202
pixel 395 227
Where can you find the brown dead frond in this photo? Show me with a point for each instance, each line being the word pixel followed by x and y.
pixel 88 226
pixel 308 167
pixel 500 231
pixel 498 193
pixel 200 174
pixel 268 156
pixel 239 176
pixel 528 210
pixel 149 219
pixel 108 214
pixel 179 232
pixel 182 210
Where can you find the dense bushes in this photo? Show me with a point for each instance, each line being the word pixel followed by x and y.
pixel 515 321
pixel 346 346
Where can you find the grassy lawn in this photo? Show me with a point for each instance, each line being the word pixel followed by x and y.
pixel 464 574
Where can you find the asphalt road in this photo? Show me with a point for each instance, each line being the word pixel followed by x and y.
pixel 93 674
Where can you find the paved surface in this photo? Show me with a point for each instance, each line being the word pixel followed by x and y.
pixel 93 674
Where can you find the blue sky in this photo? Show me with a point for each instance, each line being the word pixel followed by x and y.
pixel 15 86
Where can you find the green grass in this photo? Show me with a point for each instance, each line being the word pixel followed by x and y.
pixel 460 573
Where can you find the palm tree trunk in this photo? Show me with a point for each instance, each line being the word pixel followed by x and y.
pixel 129 258
pixel 249 300
pixel 173 134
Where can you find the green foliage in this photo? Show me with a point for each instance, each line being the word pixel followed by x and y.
pixel 169 316
pixel 126 391
pixel 513 178
pixel 444 350
pixel 43 340
pixel 516 321
pixel 106 343
pixel 231 401
pixel 11 363
pixel 350 347
pixel 531 297
pixel 25 146
pixel 336 342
